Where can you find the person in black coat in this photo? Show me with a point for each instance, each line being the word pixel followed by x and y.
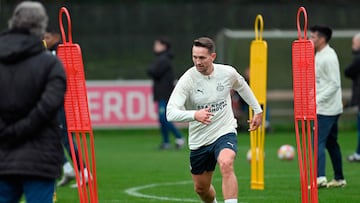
pixel 32 88
pixel 162 74
pixel 352 71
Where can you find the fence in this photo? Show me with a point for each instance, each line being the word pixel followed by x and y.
pixel 116 38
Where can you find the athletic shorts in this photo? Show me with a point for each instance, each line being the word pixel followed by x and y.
pixel 205 158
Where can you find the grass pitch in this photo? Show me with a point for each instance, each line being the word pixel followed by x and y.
pixel 130 168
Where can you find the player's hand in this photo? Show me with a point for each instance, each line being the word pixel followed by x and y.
pixel 255 122
pixel 203 116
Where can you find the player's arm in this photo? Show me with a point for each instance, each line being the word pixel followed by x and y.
pixel 44 111
pixel 175 110
pixel 241 86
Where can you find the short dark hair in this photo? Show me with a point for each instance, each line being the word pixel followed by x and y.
pixel 323 31
pixel 165 41
pixel 205 42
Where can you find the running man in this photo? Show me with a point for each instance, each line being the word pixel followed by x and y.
pixel 202 98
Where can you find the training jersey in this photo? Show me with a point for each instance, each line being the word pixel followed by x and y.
pixel 195 91
pixel 328 84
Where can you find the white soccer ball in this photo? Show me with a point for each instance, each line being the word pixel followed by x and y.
pixel 248 154
pixel 286 152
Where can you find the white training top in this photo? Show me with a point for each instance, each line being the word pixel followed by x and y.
pixel 328 84
pixel 195 91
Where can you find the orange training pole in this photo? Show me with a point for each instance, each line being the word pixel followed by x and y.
pixel 305 111
pixel 77 114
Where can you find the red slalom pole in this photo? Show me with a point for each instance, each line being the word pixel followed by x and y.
pixel 305 111
pixel 77 114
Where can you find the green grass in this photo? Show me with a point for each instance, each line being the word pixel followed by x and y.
pixel 130 158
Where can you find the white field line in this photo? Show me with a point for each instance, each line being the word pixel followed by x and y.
pixel 135 191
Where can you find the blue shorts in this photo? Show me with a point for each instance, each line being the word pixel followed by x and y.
pixel 205 158
pixel 35 189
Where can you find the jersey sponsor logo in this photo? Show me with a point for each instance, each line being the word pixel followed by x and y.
pixel 214 107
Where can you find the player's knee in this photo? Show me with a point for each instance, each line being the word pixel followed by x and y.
pixel 162 119
pixel 201 190
pixel 226 166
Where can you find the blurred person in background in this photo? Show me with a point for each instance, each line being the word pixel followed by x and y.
pixel 32 86
pixel 328 105
pixel 162 73
pixel 53 39
pixel 352 71
pixel 202 98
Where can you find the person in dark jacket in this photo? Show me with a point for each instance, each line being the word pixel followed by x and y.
pixel 32 88
pixel 352 71
pixel 162 73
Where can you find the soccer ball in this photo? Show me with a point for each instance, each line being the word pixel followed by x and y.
pixel 286 152
pixel 248 154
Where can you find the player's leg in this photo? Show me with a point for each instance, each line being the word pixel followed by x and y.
pixel 10 190
pixel 179 139
pixel 333 147
pixel 32 187
pixel 83 173
pixel 226 148
pixel 203 187
pixel 323 132
pixel 163 125
pixel 66 141
pixel 358 134
pixel 229 182
pixel 355 157
pixel 76 150
pixel 69 173
pixel 68 170
pixel 203 163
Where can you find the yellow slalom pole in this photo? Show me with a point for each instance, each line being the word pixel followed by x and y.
pixel 258 79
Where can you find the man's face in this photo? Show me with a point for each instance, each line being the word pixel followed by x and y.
pixel 317 40
pixel 51 39
pixel 356 43
pixel 203 59
pixel 159 47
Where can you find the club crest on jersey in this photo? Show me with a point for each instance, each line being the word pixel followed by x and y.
pixel 220 87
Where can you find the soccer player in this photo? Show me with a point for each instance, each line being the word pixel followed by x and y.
pixel 328 105
pixel 32 87
pixel 352 71
pixel 202 98
pixel 53 39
